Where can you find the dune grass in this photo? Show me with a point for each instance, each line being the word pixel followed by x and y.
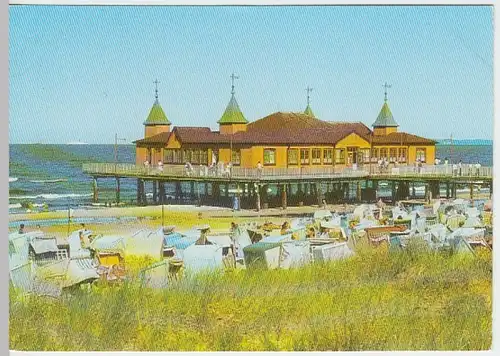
pixel 376 300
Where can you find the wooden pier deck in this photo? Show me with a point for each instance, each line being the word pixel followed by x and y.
pixel 251 184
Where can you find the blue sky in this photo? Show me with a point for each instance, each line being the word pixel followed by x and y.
pixel 86 73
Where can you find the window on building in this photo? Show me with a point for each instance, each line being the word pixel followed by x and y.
pixel 304 156
pixel 316 155
pixel 383 153
pixel 168 156
pixel 328 156
pixel 339 156
pixel 366 154
pixel 293 157
pixel 374 154
pixel 269 156
pixel 236 157
pixel 204 157
pixel 186 155
pixel 177 156
pixel 421 154
pixel 393 154
pixel 195 157
pixel 402 154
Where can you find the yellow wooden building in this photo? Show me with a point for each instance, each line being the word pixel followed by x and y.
pixel 282 139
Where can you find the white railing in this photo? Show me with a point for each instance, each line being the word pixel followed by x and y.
pixel 434 170
pixel 285 173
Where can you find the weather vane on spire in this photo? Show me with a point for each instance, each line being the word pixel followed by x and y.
pixel 233 77
pixel 156 82
pixel 385 90
pixel 309 90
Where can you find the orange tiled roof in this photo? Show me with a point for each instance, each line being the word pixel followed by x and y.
pixel 160 138
pixel 398 138
pixel 285 129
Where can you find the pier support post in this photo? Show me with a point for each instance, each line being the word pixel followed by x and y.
pixel 264 197
pixel 215 193
pixel 358 191
pixel 300 193
pixel 319 193
pixel 141 196
pixel 138 192
pixel 491 189
pixel 95 196
pixel 345 191
pixel 393 191
pixel 471 187
pixel 192 190
pixel 257 195
pixel 117 190
pixel 435 190
pixel 155 192
pixel 448 195
pixel 413 193
pixel 238 194
pixel 198 193
pixel 178 192
pixel 162 191
pixel 283 196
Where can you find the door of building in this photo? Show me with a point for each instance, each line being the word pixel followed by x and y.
pixel 352 155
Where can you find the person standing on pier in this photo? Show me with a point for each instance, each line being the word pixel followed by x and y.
pixel 259 170
pixel 460 168
pixel 160 166
pixel 478 167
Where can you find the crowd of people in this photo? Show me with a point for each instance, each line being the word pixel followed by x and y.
pixel 460 169
pixel 225 170
pixel 215 169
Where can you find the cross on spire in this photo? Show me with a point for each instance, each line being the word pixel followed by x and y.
pixel 385 90
pixel 156 82
pixel 309 90
pixel 233 77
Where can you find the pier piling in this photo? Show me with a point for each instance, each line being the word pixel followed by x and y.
pixel 117 190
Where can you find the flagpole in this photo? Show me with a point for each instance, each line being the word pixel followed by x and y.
pixel 69 214
pixel 451 148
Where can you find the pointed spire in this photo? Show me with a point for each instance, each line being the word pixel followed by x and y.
pixel 232 114
pixel 308 110
pixel 156 115
pixel 385 118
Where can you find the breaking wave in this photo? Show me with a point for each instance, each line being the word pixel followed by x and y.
pixel 50 196
pixel 49 180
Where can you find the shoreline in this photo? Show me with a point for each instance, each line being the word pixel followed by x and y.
pixel 155 211
pixel 206 210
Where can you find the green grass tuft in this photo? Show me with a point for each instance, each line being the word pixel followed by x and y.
pixel 410 300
